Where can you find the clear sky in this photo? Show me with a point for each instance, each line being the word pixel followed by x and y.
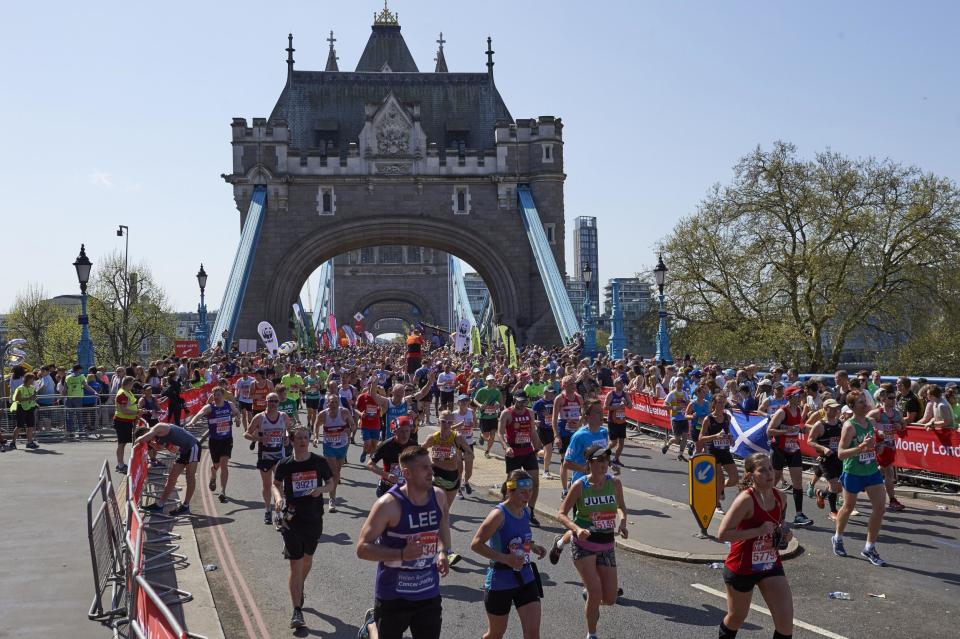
pixel 119 112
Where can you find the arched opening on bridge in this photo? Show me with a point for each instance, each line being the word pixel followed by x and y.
pixel 387 289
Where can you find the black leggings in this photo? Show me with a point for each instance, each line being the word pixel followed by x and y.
pixel 394 616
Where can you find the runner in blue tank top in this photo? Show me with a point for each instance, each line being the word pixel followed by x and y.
pixel 506 540
pixel 220 415
pixel 408 532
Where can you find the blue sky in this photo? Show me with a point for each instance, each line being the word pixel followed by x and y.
pixel 119 113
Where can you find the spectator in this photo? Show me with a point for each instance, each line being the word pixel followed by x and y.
pixel 938 413
pixel 907 401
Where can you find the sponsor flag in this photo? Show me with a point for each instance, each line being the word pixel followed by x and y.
pixel 351 336
pixel 332 322
pixel 502 335
pixel 269 337
pixel 463 336
pixel 749 433
pixel 512 349
pixel 475 341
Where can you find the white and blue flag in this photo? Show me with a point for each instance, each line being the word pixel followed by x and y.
pixel 749 434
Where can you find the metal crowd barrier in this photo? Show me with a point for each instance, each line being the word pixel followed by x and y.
pixel 59 422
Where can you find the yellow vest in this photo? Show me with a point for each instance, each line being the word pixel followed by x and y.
pixel 128 412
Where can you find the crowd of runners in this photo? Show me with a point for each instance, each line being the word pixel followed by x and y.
pixel 417 418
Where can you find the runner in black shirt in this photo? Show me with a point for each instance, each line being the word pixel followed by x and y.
pixel 299 482
pixel 385 460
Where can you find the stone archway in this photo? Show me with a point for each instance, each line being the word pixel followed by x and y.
pixel 381 304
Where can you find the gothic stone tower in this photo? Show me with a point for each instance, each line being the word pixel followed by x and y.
pixel 389 155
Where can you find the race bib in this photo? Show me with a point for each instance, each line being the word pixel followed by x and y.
pixel 834 443
pixel 441 452
pixel 223 428
pixel 868 457
pixel 303 482
pixel 723 442
pixel 490 411
pixel 521 437
pixel 792 445
pixel 467 432
pixel 371 411
pixel 275 441
pixel 395 471
pixel 429 555
pixel 764 555
pixel 604 520
pixel 618 414
pixel 517 547
pixel 335 438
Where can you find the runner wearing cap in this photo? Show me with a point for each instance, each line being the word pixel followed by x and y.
pixel 506 540
pixel 889 424
pixel 518 436
pixel 567 413
pixel 753 528
pixel 615 404
pixel 369 410
pixel 489 402
pixel 786 426
pixel 676 402
pixel 464 422
pixel 857 450
pixel 268 431
pixel 333 426
pixel 387 455
pixel 772 403
pixel 447 452
pixel 824 438
pixel 596 499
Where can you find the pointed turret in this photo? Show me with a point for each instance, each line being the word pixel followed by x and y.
pixel 386 49
pixel 290 51
pixel 490 58
pixel 440 60
pixel 332 56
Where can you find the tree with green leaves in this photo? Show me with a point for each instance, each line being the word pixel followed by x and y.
pixel 794 257
pixel 31 317
pixel 128 310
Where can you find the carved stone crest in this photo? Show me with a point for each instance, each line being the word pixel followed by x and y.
pixel 393 133
pixel 394 168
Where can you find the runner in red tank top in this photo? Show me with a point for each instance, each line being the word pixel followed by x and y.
pixel 518 436
pixel 753 527
pixel 785 429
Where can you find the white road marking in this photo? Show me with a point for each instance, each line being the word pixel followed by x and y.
pixel 796 622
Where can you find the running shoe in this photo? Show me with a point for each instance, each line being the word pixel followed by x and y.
pixel 33 445
pixel 546 474
pixel 821 502
pixel 690 448
pixel 212 485
pixel 832 516
pixel 364 632
pixel 363 457
pixel 152 508
pixel 296 621
pixel 222 497
pixel 802 520
pixel 333 505
pixel 534 521
pixel 268 518
pixel 460 494
pixel 810 490
pixel 555 550
pixel 563 494
pixel 486 454
pixel 895 505
pixel 616 462
pixel 183 509
pixel 838 548
pixel 664 449
pixel 680 457
pixel 453 558
pixel 122 468
pixel 12 445
pixel 719 510
pixel 855 513
pixel 467 487
pixel 873 556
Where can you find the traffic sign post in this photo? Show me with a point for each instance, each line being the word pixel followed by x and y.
pixel 702 481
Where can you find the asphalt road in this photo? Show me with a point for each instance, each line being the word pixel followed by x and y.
pixel 660 599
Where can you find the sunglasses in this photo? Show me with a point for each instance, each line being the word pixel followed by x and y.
pixel 520 483
pixel 273 401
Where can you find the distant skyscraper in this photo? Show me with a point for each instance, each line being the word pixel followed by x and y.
pixel 635 303
pixel 585 252
pixel 576 293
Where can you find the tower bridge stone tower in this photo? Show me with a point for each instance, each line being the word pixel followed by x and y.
pixel 387 155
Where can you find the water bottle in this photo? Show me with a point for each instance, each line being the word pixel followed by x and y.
pixel 840 595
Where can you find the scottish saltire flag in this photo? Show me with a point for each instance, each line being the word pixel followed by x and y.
pixel 749 434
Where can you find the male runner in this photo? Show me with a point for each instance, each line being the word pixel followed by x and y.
pixel 334 426
pixel 785 427
pixel 407 532
pixel 447 384
pixel 219 415
pixel 388 455
pixel 259 390
pixel 825 439
pixel 241 389
pixel 543 408
pixel 370 418
pixel 188 449
pixel 294 384
pixel 566 419
pixel 615 403
pixel 489 403
pixel 465 420
pixel 269 431
pixel 520 443
pixel 299 482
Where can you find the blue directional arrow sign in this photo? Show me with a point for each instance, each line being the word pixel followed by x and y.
pixel 702 481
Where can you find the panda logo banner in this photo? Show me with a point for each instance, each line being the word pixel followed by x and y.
pixel 269 337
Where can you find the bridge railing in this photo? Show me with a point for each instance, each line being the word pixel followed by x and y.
pixel 240 271
pixel 563 313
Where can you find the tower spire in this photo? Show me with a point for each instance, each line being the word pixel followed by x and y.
pixel 440 59
pixel 290 51
pixel 332 56
pixel 490 58
pixel 386 17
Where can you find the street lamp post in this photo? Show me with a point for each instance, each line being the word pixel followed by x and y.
pixel 124 231
pixel 202 329
pixel 663 338
pixel 589 326
pixel 85 345
pixel 618 341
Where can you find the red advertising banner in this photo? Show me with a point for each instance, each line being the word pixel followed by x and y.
pixel 935 450
pixel 186 348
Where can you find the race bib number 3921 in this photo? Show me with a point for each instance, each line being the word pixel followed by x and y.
pixel 304 482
